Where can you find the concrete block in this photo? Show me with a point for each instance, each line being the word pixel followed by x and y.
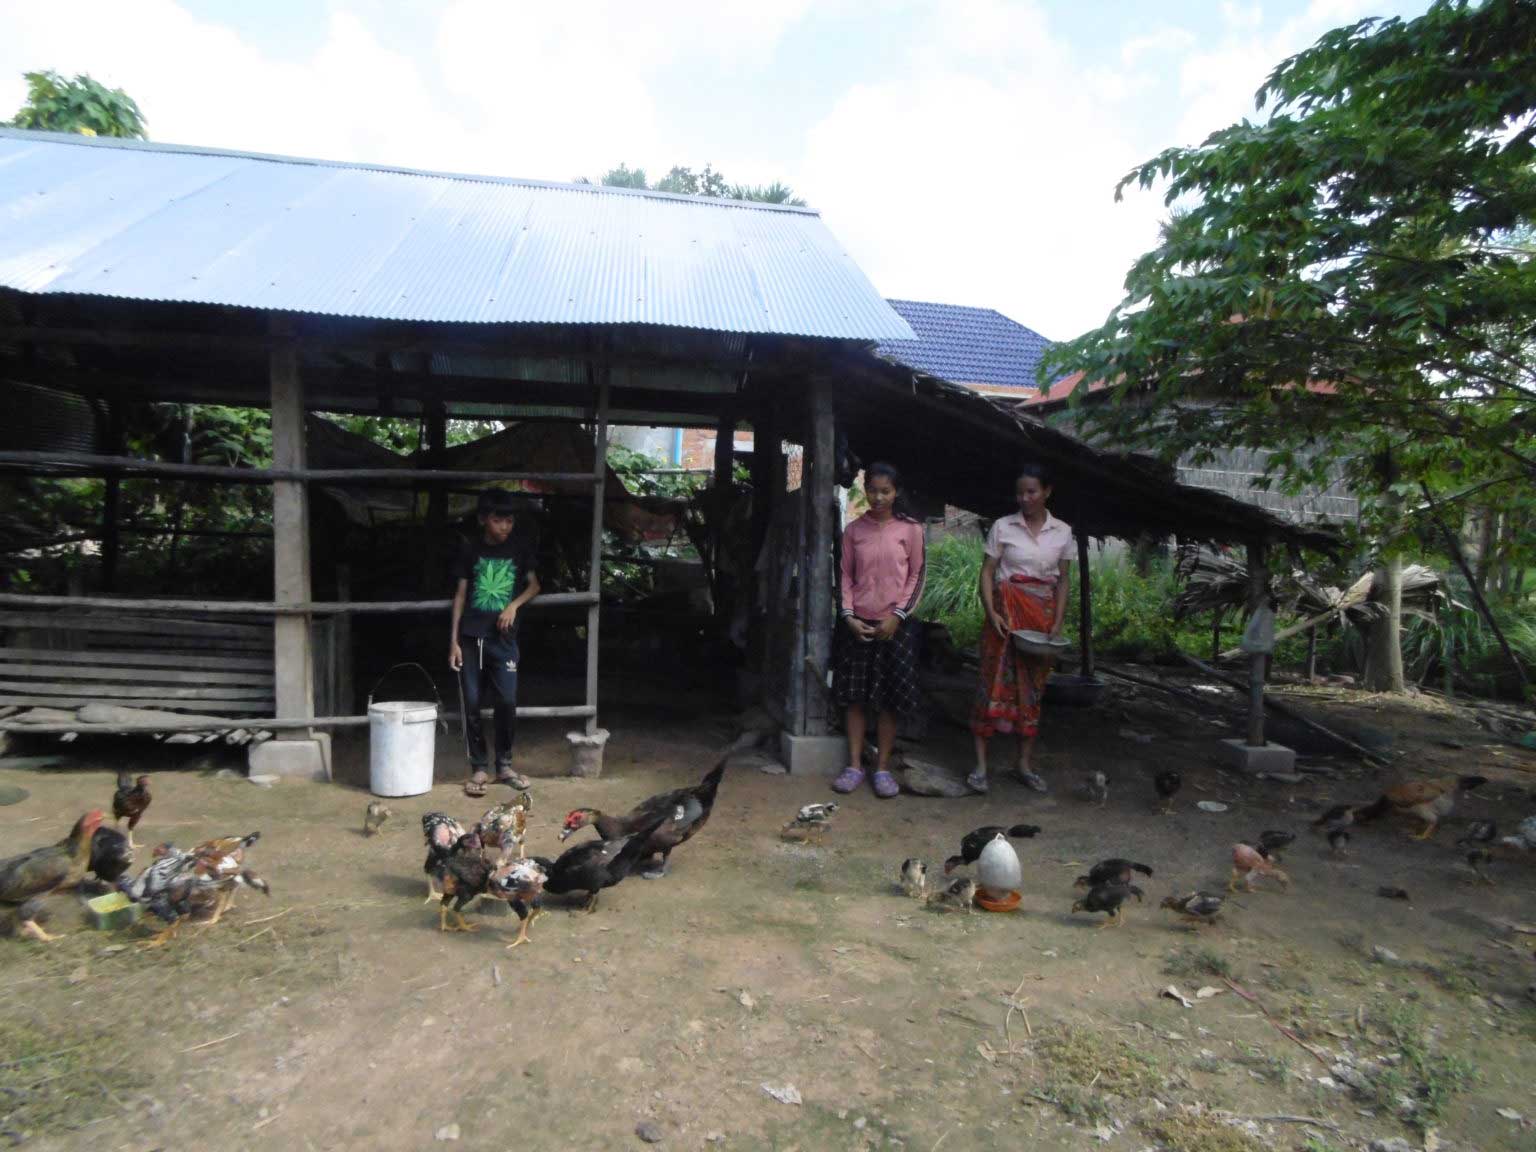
pixel 813 755
pixel 307 758
pixel 1271 758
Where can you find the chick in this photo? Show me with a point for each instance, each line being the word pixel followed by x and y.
pixel 1479 859
pixel 1196 908
pixel 374 817
pixel 1246 860
pixel 1479 832
pixel 1107 898
pixel 1336 824
pixel 1095 788
pixel 815 813
pixel 1168 784
pixel 914 878
pixel 959 896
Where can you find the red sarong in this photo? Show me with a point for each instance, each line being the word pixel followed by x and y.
pixel 1012 683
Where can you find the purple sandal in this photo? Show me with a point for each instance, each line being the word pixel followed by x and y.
pixel 885 785
pixel 848 779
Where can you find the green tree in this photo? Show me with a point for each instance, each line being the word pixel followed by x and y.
pixel 686 182
pixel 625 177
pixel 1344 283
pixel 82 105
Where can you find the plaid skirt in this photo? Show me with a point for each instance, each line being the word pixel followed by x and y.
pixel 880 673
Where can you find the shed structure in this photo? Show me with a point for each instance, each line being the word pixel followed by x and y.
pixel 133 271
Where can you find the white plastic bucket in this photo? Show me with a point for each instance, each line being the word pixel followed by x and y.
pixel 402 737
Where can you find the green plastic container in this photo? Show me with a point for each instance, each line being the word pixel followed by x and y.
pixel 112 911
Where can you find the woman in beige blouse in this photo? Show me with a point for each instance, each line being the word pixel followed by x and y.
pixel 1024 582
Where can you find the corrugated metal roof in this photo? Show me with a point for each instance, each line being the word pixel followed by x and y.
pixel 967 345
pixel 92 216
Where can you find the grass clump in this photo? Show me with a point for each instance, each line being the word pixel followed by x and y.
pixel 1200 1133
pixel 52 1081
pixel 1424 1079
pixel 1084 1072
pixel 1189 963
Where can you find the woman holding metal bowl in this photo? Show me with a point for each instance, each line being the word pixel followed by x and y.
pixel 1024 581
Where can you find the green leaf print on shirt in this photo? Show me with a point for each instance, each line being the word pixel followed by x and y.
pixel 494 581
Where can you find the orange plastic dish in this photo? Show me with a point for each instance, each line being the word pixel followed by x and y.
pixel 1007 904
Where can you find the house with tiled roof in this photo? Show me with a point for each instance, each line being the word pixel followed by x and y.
pixel 978 347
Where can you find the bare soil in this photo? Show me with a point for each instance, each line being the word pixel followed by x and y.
pixel 335 1015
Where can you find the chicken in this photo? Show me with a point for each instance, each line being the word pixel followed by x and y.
pixel 914 878
pixel 958 897
pixel 1525 836
pixel 1111 871
pixel 978 838
pixel 1197 908
pixel 815 813
pixel 184 885
pixel 1246 860
pixel 600 864
pixel 1108 898
pixel 111 856
pixel 441 833
pixel 1168 784
pixel 1095 788
pixel 1479 832
pixel 464 874
pixel 130 802
pixel 1336 824
pixel 1272 841
pixel 220 862
pixel 695 803
pixel 27 921
pixel 374 816
pixel 504 826
pixel 49 869
pixel 1429 800
pixel 521 884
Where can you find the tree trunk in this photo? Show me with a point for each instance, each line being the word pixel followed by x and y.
pixel 1485 540
pixel 1383 646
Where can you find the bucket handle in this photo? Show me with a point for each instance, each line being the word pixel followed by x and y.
pixel 441 722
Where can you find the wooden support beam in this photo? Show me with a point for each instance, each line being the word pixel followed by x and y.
pixel 816 587
pixel 1258 597
pixel 263 607
pixel 595 562
pixel 1084 606
pixel 293 660
pixel 92 464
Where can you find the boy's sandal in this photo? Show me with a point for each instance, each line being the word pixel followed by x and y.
pixel 475 786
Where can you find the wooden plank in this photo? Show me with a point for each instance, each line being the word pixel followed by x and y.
pixel 123 675
pixel 265 724
pixel 129 625
pixel 1258 595
pixel 92 464
pixel 145 659
pixel 263 607
pixel 254 707
pixel 86 693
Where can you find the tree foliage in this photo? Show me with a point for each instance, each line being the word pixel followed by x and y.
pixel 1349 281
pixel 82 105
pixel 707 182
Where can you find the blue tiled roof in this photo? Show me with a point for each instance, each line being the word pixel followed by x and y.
pixel 967 345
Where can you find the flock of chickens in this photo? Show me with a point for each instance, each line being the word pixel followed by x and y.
pixel 177 886
pixel 488 861
pixel 1110 883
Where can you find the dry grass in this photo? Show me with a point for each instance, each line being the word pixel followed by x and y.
pixel 1190 1132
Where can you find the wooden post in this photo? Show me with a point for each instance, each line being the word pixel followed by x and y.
pixel 1084 607
pixel 437 494
pixel 1312 655
pixel 819 479
pixel 720 507
pixel 293 663
pixel 1258 596
pixel 595 577
pixel 111 503
pixel 341 625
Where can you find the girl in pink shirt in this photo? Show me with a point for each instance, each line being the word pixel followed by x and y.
pixel 876 668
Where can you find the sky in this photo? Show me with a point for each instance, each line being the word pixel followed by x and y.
pixel 963 151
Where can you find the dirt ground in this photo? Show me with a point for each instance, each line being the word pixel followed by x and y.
pixel 335 1015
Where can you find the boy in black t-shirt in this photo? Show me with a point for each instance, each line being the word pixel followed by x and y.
pixel 495 577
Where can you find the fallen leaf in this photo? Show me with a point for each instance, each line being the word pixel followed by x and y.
pixel 1432 1141
pixel 1510 1114
pixel 744 998
pixel 788 1094
pixel 1207 992
pixel 984 1050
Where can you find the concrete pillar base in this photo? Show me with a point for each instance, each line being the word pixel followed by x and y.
pixel 1255 760
pixel 813 755
pixel 304 757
